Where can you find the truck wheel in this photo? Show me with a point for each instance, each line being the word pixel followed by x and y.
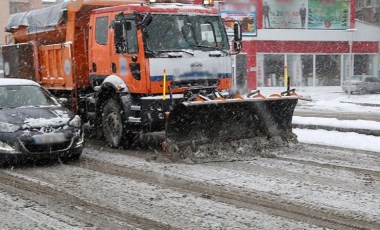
pixel 112 123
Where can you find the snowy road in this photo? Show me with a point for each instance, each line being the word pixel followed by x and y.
pixel 309 187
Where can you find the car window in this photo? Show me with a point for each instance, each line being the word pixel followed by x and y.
pixel 357 77
pixel 20 96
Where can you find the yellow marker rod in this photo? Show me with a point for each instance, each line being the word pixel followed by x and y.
pixel 286 76
pixel 164 88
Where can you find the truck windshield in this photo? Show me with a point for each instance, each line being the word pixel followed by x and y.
pixel 178 32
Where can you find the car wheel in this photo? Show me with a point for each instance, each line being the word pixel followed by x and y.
pixel 363 91
pixel 75 156
pixel 72 156
pixel 112 123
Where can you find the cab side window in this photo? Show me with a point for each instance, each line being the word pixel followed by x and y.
pixel 101 30
pixel 132 44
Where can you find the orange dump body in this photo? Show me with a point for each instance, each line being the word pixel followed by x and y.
pixel 62 51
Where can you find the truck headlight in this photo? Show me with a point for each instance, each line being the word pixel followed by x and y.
pixel 8 128
pixel 76 122
pixel 4 147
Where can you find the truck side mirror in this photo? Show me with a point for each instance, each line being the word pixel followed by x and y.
pixel 238 37
pixel 120 28
pixel 142 21
pixel 237 32
pixel 148 18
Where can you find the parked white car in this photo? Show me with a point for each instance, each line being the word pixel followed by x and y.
pixel 362 84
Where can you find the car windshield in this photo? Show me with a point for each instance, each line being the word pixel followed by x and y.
pixel 25 95
pixel 197 32
pixel 357 77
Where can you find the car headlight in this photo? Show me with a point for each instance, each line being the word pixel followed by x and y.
pixel 8 128
pixel 76 122
pixel 6 148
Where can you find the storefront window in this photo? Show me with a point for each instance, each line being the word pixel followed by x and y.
pixel 363 64
pixel 328 70
pixel 307 70
pixel 274 70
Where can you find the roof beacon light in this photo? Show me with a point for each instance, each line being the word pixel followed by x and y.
pixel 171 1
pixel 208 2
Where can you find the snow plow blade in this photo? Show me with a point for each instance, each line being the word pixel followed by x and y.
pixel 231 129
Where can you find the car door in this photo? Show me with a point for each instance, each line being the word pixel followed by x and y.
pixel 367 84
pixel 376 84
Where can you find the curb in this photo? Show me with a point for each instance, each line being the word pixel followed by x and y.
pixel 339 129
pixel 361 104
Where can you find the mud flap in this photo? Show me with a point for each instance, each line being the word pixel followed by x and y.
pixel 218 128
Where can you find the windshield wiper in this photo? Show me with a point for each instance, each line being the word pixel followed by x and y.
pixel 212 47
pixel 175 50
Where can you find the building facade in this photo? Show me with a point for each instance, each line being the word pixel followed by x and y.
pixel 9 7
pixel 368 11
pixel 310 39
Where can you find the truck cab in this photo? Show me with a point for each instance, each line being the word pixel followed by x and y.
pixel 138 43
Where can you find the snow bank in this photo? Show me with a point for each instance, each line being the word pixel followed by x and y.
pixel 333 122
pixel 331 98
pixel 339 139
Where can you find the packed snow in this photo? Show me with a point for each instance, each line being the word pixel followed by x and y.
pixel 333 122
pixel 334 138
pixel 334 100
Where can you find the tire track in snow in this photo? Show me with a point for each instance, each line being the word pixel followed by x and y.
pixel 336 165
pixel 91 214
pixel 253 200
pixel 330 166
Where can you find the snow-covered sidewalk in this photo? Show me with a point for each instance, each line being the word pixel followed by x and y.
pixel 334 102
pixel 332 98
pixel 333 122
pixel 339 139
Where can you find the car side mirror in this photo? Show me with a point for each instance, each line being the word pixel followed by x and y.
pixel 63 101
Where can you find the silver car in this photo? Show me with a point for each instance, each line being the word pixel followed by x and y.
pixel 362 84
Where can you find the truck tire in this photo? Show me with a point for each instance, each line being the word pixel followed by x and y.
pixel 112 123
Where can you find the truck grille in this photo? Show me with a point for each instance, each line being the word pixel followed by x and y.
pixel 33 148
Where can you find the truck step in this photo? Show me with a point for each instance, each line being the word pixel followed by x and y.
pixel 135 108
pixel 134 119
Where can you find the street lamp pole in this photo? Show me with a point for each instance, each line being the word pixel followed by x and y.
pixel 351 69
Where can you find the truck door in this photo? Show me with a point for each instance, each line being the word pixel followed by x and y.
pixel 99 51
pixel 128 59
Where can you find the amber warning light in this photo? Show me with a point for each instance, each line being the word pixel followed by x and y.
pixel 171 1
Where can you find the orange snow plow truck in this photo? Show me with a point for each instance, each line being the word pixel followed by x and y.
pixel 130 66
